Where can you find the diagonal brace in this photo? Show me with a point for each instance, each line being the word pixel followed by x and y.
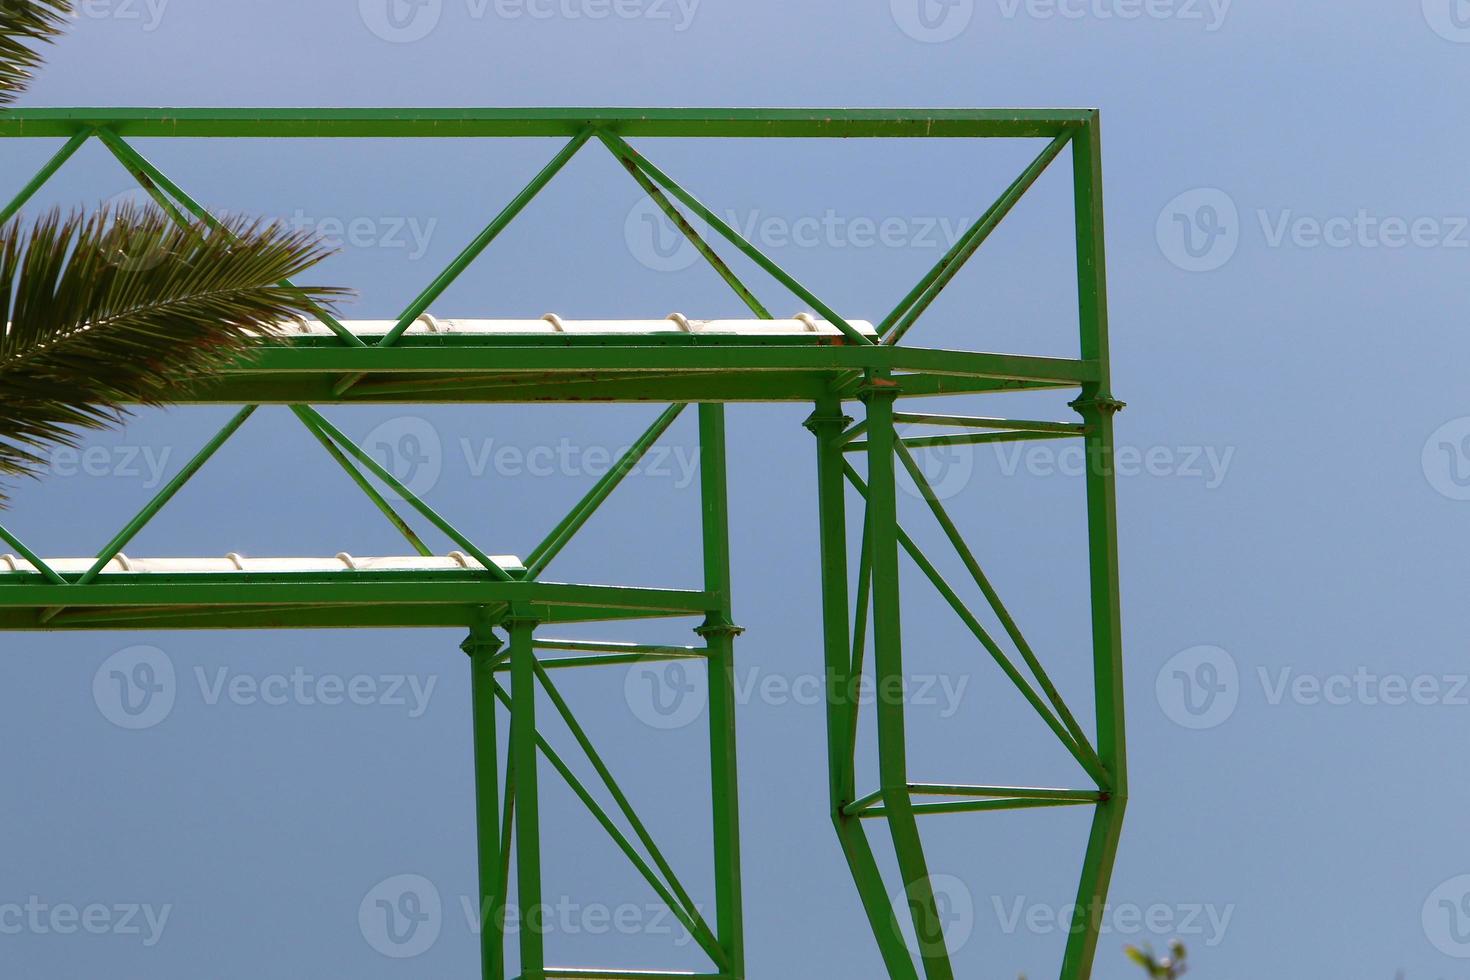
pixel 317 422
pixel 629 155
pixel 548 549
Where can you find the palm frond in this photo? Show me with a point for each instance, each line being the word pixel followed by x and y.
pixel 23 24
pixel 125 307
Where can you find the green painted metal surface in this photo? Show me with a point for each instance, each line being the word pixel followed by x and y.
pixel 505 606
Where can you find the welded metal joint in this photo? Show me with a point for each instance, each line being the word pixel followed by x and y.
pixel 716 625
pixel 1099 403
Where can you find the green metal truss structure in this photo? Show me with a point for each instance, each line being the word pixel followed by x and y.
pixel 504 603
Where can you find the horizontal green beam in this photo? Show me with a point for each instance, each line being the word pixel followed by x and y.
pixel 863 804
pixel 499 359
pixel 628 122
pixel 381 615
pixel 569 973
pixel 336 588
pixel 705 386
pixel 975 806
pixel 978 422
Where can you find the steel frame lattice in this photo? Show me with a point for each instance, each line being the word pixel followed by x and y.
pixel 504 603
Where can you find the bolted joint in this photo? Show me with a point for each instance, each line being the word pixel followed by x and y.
pixel 718 626
pixel 816 422
pixel 877 386
pixel 1106 404
pixel 482 642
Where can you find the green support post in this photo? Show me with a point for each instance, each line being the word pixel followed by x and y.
pixel 482 646
pixel 1097 407
pixel 719 632
pixel 878 394
pixel 828 424
pixel 532 916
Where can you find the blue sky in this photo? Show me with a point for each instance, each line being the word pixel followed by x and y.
pixel 1287 234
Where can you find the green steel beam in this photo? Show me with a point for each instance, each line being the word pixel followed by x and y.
pixel 615 647
pixel 721 268
pixel 718 632
pixel 563 533
pixel 366 487
pixel 482 645
pixel 897 323
pixel 1084 755
pixel 968 439
pixel 157 184
pixel 319 424
pixel 614 833
pixel 888 674
pixel 631 156
pixel 524 742
pixel 563 359
pixel 125 589
pixel 1097 406
pixel 629 388
pixel 972 806
pixel 272 123
pixel 1008 622
pixel 686 903
pixel 36 561
pixel 445 279
pixel 47 171
pixel 977 422
pixel 827 423
pixel 164 495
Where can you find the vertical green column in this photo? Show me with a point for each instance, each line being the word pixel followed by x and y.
pixel 522 628
pixel 827 423
pixel 482 645
pixel 1097 407
pixel 719 632
pixel 878 393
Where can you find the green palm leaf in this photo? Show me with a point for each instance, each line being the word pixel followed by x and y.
pixel 22 24
pixel 125 307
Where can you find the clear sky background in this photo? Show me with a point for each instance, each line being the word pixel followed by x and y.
pixel 1287 234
